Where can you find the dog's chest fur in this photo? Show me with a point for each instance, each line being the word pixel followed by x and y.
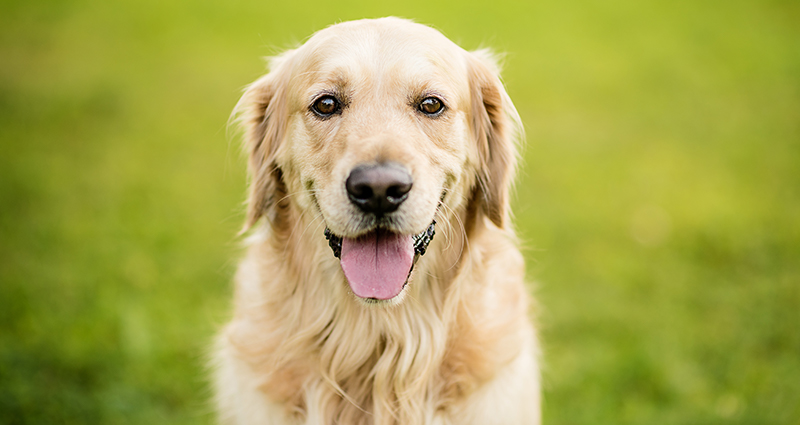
pixel 352 364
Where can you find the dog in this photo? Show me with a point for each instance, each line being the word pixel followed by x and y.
pixel 382 283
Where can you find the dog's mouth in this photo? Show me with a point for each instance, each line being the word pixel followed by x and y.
pixel 377 265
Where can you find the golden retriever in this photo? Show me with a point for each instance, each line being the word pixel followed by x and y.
pixel 382 283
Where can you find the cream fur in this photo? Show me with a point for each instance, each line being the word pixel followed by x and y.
pixel 456 347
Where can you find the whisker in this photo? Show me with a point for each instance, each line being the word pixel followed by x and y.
pixel 462 230
pixel 300 217
pixel 317 220
pixel 289 195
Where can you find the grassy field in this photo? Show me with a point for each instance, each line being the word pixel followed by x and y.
pixel 659 200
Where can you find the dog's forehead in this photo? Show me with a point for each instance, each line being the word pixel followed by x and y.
pixel 372 48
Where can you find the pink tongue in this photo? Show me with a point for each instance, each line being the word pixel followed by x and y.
pixel 377 264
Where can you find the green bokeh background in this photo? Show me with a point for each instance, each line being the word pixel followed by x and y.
pixel 659 200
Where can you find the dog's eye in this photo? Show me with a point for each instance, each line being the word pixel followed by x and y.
pixel 326 106
pixel 431 106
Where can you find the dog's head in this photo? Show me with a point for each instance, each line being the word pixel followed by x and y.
pixel 377 127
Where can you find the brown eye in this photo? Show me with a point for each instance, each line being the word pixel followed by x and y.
pixel 326 106
pixel 431 106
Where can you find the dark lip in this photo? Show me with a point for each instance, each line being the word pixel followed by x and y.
pixel 335 242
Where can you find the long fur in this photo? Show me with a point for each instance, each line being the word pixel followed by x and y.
pixel 456 347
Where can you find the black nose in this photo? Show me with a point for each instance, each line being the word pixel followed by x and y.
pixel 378 188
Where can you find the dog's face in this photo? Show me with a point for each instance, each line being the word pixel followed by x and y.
pixel 376 127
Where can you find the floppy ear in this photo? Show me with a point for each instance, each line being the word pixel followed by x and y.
pixel 262 114
pixel 496 126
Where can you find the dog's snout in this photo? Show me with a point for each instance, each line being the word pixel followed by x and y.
pixel 378 188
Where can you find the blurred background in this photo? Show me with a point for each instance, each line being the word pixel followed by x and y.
pixel 659 200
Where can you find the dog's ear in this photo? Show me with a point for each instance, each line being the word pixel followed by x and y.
pixel 262 114
pixel 497 127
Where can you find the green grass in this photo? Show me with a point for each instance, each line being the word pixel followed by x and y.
pixel 659 199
